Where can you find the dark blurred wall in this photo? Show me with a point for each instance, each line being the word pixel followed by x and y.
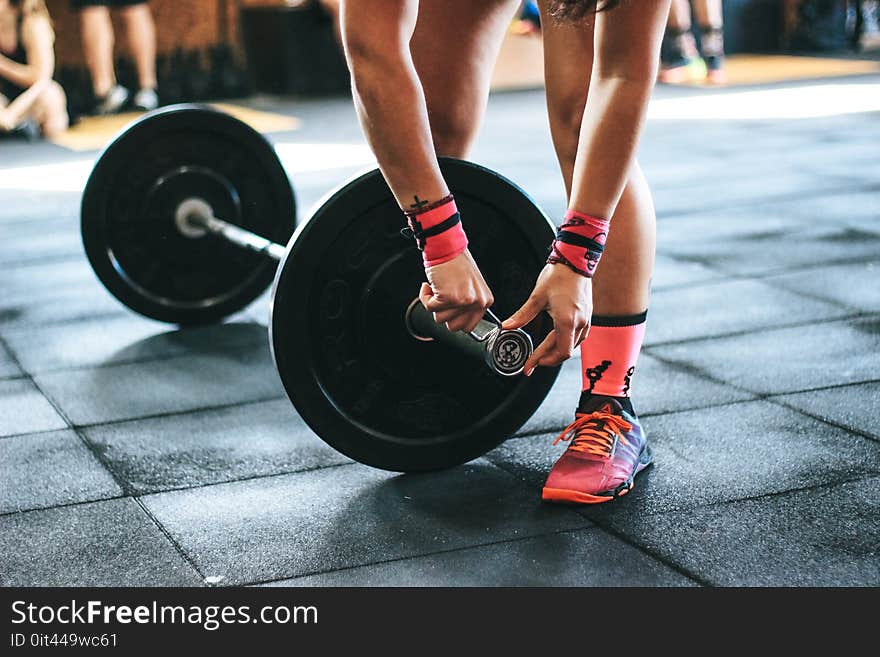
pixel 753 25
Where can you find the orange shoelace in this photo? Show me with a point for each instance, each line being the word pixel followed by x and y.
pixel 594 433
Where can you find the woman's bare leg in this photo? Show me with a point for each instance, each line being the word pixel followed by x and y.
pixel 708 13
pixel 455 47
pixel 97 40
pixel 140 31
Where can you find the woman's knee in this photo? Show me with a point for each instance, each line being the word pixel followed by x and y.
pixel 137 14
pixel 566 116
pixel 453 132
pixel 53 110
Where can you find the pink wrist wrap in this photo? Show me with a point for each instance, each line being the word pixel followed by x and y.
pixel 579 243
pixel 438 231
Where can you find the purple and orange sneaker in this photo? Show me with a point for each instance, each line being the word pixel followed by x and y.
pixel 607 449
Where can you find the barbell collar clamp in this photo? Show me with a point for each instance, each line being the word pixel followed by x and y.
pixel 195 218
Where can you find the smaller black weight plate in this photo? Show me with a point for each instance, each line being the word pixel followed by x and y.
pixel 130 201
pixel 339 337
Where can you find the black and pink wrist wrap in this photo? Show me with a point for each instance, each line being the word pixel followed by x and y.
pixel 579 243
pixel 438 231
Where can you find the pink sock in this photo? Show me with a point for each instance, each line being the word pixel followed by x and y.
pixel 610 352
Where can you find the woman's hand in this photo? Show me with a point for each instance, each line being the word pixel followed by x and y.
pixel 568 299
pixel 456 293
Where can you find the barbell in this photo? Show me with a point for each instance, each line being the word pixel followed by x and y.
pixel 188 216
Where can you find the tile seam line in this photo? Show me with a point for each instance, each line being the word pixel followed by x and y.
pixel 158 416
pixel 165 414
pixel 161 358
pixel 639 548
pixel 770 198
pixel 71 427
pixel 553 429
pixel 770 397
pixel 28 377
pixel 758 275
pixel 129 494
pixel 763 278
pixel 65 505
pixel 862 434
pixel 50 324
pixel 764 329
pixel 181 489
pixel 177 547
pixel 758 497
pixel 752 397
pixel 614 531
pixel 699 372
pixel 592 528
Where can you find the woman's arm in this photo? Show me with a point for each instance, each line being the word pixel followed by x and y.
pixel 392 109
pixel 389 98
pixel 627 48
pixel 35 76
pixel 39 44
pixel 13 114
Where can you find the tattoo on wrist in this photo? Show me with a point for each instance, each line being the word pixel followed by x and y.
pixel 419 203
pixel 421 206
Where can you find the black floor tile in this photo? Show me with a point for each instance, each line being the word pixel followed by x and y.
pixel 187 383
pixel 821 537
pixel 588 557
pixel 193 449
pixel 110 543
pixel 48 469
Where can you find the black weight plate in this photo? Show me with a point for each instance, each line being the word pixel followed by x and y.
pixel 356 376
pixel 129 204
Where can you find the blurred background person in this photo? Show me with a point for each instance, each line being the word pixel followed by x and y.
pixel 98 42
pixel 528 20
pixel 29 97
pixel 682 61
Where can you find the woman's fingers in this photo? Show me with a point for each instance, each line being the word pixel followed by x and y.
pixel 525 314
pixel 425 294
pixel 563 344
pixel 460 319
pixel 547 345
pixel 582 335
pixel 556 347
pixel 445 316
pixel 470 321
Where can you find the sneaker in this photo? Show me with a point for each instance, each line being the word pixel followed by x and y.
pixel 607 448
pixel 114 101
pixel 684 71
pixel 146 100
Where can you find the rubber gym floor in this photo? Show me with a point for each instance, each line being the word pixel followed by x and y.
pixel 133 453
